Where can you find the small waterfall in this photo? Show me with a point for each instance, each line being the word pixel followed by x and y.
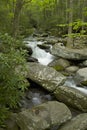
pixel 71 83
pixel 43 57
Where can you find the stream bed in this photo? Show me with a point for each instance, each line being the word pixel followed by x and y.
pixel 36 94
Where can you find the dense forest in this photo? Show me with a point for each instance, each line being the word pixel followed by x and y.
pixel 22 18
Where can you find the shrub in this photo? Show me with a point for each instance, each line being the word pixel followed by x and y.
pixel 12 82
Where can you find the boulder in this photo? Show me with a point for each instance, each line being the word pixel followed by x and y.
pixel 77 123
pixel 63 62
pixel 43 116
pixel 51 40
pixel 81 75
pixel 72 69
pixel 43 46
pixel 28 48
pixel 84 63
pixel 72 97
pixel 44 35
pixel 68 53
pixel 32 59
pixel 45 76
pixel 11 122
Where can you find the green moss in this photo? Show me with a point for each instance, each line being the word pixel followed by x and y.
pixel 84 83
pixel 58 68
pixel 65 73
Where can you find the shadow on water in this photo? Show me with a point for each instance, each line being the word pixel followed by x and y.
pixel 36 95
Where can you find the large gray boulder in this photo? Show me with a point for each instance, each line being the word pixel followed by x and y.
pixel 43 116
pixel 67 53
pixel 72 97
pixel 77 123
pixel 45 76
pixel 82 74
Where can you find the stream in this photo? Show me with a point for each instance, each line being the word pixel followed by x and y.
pixel 36 95
pixel 43 57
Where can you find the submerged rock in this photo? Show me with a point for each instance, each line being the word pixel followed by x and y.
pixel 68 53
pixel 72 97
pixel 77 123
pixel 43 116
pixel 45 76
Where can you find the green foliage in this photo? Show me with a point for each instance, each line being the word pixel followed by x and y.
pixel 12 74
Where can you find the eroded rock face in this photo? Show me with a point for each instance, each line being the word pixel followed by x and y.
pixel 72 97
pixel 77 123
pixel 45 76
pixel 43 116
pixel 67 53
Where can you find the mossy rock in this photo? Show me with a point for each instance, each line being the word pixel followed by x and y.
pixel 58 68
pixel 66 73
pixel 84 83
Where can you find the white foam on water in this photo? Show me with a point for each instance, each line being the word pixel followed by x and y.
pixel 71 83
pixel 43 57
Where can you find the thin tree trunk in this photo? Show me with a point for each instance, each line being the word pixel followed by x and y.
pixel 70 39
pixel 83 13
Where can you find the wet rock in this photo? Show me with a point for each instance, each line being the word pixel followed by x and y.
pixel 72 69
pixel 43 116
pixel 44 35
pixel 72 97
pixel 45 76
pixel 84 63
pixel 77 123
pixel 51 40
pixel 67 53
pixel 81 75
pixel 43 46
pixel 29 50
pixel 64 63
pixel 32 59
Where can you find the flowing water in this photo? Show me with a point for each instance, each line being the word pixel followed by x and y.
pixel 37 96
pixel 71 83
pixel 43 57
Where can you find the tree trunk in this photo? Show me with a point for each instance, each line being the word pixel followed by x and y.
pixel 70 38
pixel 18 6
pixel 17 10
